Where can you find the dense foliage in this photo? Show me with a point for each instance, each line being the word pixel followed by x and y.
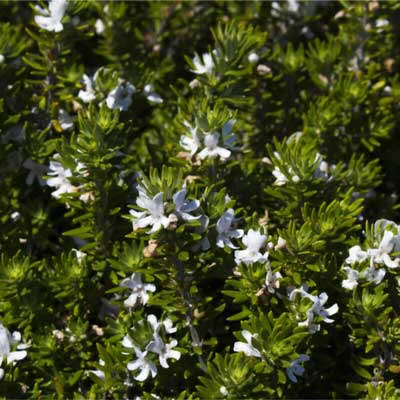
pixel 199 199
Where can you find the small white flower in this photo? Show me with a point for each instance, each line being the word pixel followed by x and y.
pixel 356 255
pixel 192 143
pixel 183 208
pixel 205 65
pixel 121 96
pixel 2 58
pixel 316 308
pixel 99 26
pixel 212 150
pixel 223 391
pixel 51 18
pixel 139 290
pixel 295 368
pixel 151 95
pixel 253 58
pixel 167 323
pixel 272 280
pixel 254 240
pixel 352 278
pixel 247 348
pixel 89 94
pixel 80 255
pixel 65 120
pixel 381 254
pixel 146 366
pixel 15 216
pixel 99 373
pixel 36 171
pixel 163 350
pixel 60 179
pixel 153 216
pixel 225 231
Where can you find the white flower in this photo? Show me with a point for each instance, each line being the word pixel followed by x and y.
pixel 89 94
pixel 205 65
pixel 121 96
pixel 167 323
pixel 225 231
pixel 374 275
pixel 316 308
pixel 6 341
pixel 253 58
pixel 152 96
pixel 223 391
pixel 65 120
pixel 272 280
pixel 282 179
pixel 381 254
pixel 60 180
pixel 99 26
pixel 356 255
pixel 183 207
pixel 146 366
pixel 163 350
pixel 2 58
pixel 212 149
pixel 36 171
pixel 192 143
pixel 295 368
pixel 254 240
pixel 139 290
pixel 99 373
pixel 322 170
pixel 80 255
pixel 153 216
pixel 247 348
pixel 51 18
pixel 352 278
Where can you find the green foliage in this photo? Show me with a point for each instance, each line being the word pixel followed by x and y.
pixel 199 202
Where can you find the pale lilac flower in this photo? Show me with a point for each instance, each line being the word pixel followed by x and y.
pixel 212 150
pixel 163 350
pixel 154 215
pixel 192 143
pixel 51 18
pixel 65 120
pixel 225 230
pixel 6 341
pixel 352 278
pixel 89 94
pixel 146 366
pixel 356 255
pixel 183 208
pixel 316 308
pixel 167 323
pixel 121 96
pixel 247 348
pixel 372 274
pixel 60 179
pixel 295 368
pixel 254 240
pixel 272 280
pixel 36 171
pixel 381 254
pixel 139 290
pixel 151 95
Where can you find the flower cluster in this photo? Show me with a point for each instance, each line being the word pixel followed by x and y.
pixel 215 144
pixel 156 346
pixel 387 238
